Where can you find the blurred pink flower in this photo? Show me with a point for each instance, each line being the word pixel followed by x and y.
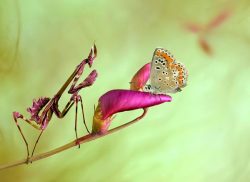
pixel 116 101
pixel 204 30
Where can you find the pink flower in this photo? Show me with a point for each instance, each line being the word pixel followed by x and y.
pixel 116 101
pixel 141 77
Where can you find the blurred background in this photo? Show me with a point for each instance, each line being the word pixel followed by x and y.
pixel 202 135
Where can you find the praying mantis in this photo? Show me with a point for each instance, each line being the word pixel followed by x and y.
pixel 42 109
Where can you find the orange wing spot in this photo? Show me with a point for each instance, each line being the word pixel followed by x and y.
pixel 164 55
pixel 158 53
pixel 180 77
pixel 169 59
pixel 180 74
pixel 180 83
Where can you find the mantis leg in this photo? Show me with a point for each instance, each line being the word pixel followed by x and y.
pixel 16 116
pixel 74 100
pixel 83 116
pixel 60 114
pixel 77 99
pixel 37 140
pixel 48 117
pixel 85 83
pixel 77 72
pixel 74 91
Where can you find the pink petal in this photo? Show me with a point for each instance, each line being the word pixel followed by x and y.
pixel 116 101
pixel 141 77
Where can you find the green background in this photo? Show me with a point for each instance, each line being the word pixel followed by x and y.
pixel 202 136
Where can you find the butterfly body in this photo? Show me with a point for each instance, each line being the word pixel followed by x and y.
pixel 166 74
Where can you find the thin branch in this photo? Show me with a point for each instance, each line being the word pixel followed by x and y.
pixel 84 139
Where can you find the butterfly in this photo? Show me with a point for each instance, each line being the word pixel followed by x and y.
pixel 166 75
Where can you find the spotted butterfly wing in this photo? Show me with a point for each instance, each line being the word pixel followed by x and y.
pixel 166 75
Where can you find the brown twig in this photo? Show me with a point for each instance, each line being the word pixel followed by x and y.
pixel 81 140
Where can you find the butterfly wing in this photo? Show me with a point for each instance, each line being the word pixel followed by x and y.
pixel 166 75
pixel 156 77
